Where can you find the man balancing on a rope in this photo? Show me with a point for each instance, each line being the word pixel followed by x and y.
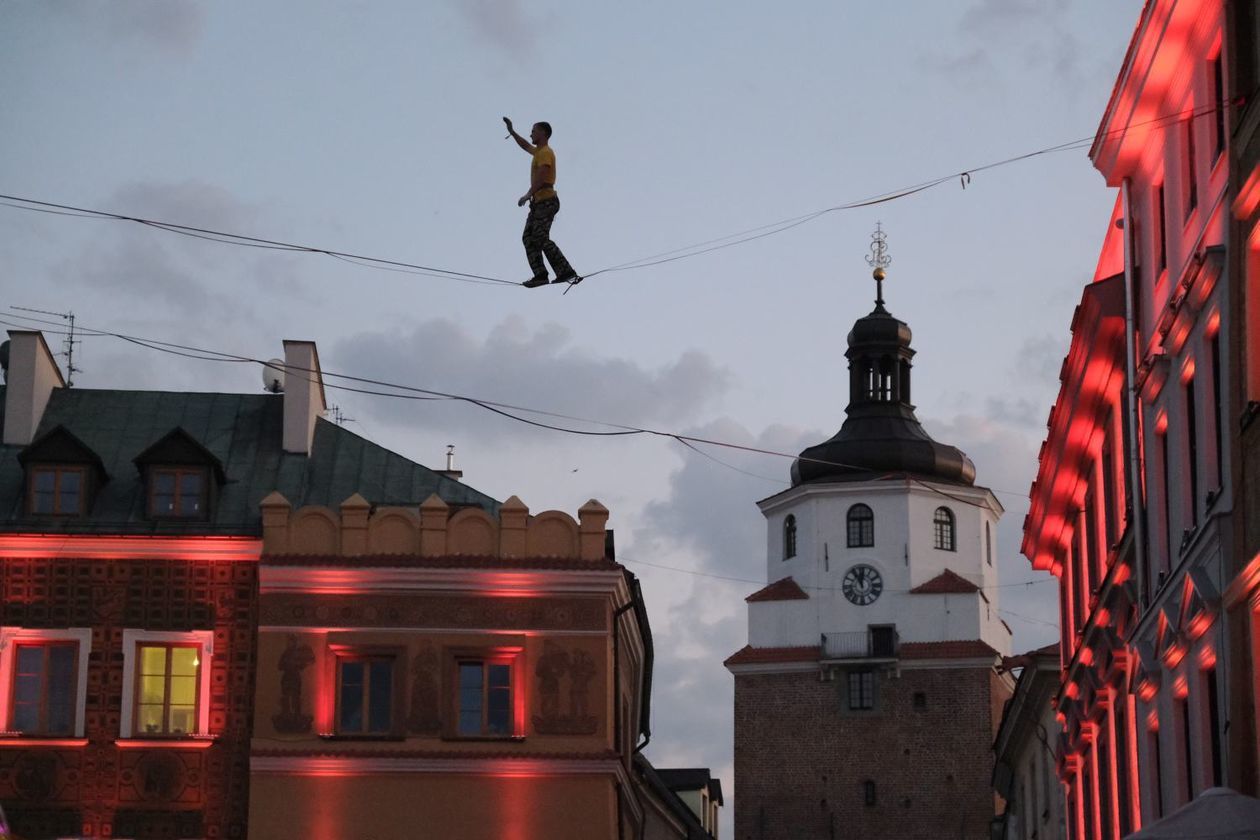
pixel 544 204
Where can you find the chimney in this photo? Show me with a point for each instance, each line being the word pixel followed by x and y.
pixel 450 471
pixel 29 379
pixel 303 395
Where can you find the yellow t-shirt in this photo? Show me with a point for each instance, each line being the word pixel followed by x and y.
pixel 543 156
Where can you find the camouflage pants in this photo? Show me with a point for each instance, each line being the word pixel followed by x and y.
pixel 537 239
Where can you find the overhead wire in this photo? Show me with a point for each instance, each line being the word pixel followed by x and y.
pixel 412 392
pixel 680 253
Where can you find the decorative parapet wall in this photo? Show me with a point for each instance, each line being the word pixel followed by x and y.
pixel 432 530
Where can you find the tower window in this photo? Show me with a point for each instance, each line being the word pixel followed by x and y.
pixel 861 523
pixel 988 543
pixel 943 529
pixel 861 690
pixel 920 701
pixel 868 792
pixel 789 537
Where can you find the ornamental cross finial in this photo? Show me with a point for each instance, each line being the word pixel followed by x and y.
pixel 879 260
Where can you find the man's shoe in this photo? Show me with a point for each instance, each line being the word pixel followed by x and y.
pixel 535 281
pixel 571 277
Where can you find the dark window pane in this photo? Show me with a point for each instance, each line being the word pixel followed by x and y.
pixel 380 696
pixel 190 494
pixel 500 676
pixel 44 485
pixel 25 717
pixel 351 700
pixel 163 492
pixel 61 693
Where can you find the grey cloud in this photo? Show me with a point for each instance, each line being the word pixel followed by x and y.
pixel 535 367
pixel 1034 30
pixel 503 24
pixel 1039 359
pixel 169 24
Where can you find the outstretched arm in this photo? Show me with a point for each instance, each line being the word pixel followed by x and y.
pixel 520 141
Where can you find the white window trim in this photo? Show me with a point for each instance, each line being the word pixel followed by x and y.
pixel 11 635
pixel 131 638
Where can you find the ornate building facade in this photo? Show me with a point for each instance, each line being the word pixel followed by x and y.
pixel 867 698
pixel 1139 506
pixel 448 673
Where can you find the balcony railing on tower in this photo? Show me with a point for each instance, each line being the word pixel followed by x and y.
pixel 879 642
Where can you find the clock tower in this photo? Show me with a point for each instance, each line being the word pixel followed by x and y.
pixel 869 692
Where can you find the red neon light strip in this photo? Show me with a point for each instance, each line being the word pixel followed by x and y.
pixel 194 743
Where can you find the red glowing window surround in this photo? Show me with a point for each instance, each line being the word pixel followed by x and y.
pixel 43 683
pixel 367 699
pixel 166 691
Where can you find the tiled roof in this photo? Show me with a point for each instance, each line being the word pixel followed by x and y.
pixel 784 589
pixel 969 649
pixel 749 655
pixel 244 433
pixel 946 583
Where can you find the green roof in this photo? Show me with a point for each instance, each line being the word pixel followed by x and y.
pixel 244 432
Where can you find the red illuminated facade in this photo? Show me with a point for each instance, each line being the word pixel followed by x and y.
pixel 1138 506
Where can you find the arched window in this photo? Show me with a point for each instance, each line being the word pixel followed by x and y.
pixel 988 543
pixel 789 537
pixel 861 526
pixel 943 529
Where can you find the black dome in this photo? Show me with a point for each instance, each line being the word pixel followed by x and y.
pixel 881 434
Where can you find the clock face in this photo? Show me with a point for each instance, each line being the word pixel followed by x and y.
pixel 862 584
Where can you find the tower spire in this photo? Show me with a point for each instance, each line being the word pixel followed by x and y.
pixel 879 260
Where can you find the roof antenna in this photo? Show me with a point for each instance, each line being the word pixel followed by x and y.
pixel 338 416
pixel 68 343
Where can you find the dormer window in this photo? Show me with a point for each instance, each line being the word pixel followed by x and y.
pixel 789 537
pixel 62 473
pixel 57 490
pixel 178 492
pixel 180 477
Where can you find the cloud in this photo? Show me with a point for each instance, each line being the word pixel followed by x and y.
pixel 170 24
pixel 503 24
pixel 536 367
pixel 1039 359
pixel 1034 31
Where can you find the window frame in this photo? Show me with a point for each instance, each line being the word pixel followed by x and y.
pixel 133 639
pixel 865 526
pixel 942 529
pixel 865 690
pixel 167 674
pixel 58 470
pixel 512 657
pixel 789 536
pixel 179 472
pixel 11 638
pixel 394 656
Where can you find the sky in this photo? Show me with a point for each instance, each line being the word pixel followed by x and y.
pixel 374 128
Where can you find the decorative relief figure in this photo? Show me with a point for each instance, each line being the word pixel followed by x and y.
pixel 578 668
pixel 35 776
pixel 159 776
pixel 295 659
pixel 425 717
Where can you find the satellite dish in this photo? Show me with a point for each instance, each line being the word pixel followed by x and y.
pixel 273 375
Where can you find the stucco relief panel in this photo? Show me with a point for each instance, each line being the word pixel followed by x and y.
pixel 285 609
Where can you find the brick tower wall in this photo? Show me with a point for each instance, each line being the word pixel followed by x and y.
pixel 802 758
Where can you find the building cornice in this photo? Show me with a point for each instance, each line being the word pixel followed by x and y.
pixel 892 486
pixel 103 547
